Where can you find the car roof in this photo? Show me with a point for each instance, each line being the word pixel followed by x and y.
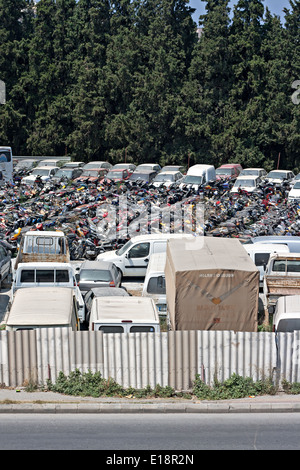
pixel 109 292
pixel 138 309
pixel 26 307
pixel 45 167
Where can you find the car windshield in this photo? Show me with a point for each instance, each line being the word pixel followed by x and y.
pixel 245 182
pixel 139 176
pixel 39 172
pixel 297 185
pixel 114 174
pixel 124 248
pixel 277 174
pixel 90 173
pixel 61 173
pixel 250 172
pixel 224 171
pixel 144 167
pixel 161 177
pixel 190 179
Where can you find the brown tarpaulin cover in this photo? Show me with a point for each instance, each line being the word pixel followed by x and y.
pixel 211 284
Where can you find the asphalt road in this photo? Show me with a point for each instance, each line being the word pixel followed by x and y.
pixel 174 433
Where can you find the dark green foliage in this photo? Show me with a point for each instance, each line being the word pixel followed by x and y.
pixel 100 79
pixel 234 387
pixel 94 385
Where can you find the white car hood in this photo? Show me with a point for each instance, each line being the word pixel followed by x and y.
pixel 108 256
pixel 294 193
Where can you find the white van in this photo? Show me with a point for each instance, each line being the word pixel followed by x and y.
pixel 133 258
pixel 287 314
pixel 293 242
pixel 119 315
pixel 198 175
pixel 154 283
pixel 47 307
pixel 260 254
pixel 40 275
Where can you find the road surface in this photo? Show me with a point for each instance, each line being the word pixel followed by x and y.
pixel 131 432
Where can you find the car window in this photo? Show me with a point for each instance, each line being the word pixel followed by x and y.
pixel 44 275
pixel 156 285
pixel 62 275
pixel 261 259
pixel 111 329
pixel 27 275
pixel 140 250
pixel 142 329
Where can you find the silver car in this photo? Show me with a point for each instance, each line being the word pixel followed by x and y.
pixel 98 274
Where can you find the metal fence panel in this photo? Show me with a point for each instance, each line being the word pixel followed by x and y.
pixel 142 359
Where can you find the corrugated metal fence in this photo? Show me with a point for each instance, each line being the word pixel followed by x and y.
pixel 142 359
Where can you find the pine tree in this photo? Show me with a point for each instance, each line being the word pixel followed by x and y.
pixel 91 28
pixel 16 27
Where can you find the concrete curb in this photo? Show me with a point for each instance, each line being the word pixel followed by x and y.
pixel 151 408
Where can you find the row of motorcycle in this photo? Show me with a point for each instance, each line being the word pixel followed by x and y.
pixel 100 217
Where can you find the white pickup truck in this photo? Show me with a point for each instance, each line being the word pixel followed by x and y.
pixel 48 275
pixel 282 277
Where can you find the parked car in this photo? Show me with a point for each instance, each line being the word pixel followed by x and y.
pixel 45 307
pixel 124 166
pixel 92 175
pixel 167 178
pixel 261 172
pixel 102 292
pixel 118 175
pixel 287 314
pixel 55 162
pixel 278 176
pixel 5 262
pixel 294 193
pixel 98 273
pixel 246 183
pixel 45 173
pixel 148 166
pixel 207 173
pixel 293 242
pixel 228 171
pixel 48 274
pixel 144 175
pixel 113 315
pixel 67 173
pixel 97 164
pixel 133 258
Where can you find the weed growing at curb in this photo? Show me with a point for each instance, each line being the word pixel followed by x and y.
pixel 234 387
pixel 94 385
pixel 291 388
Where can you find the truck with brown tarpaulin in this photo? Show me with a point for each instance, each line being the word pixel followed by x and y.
pixel 211 284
